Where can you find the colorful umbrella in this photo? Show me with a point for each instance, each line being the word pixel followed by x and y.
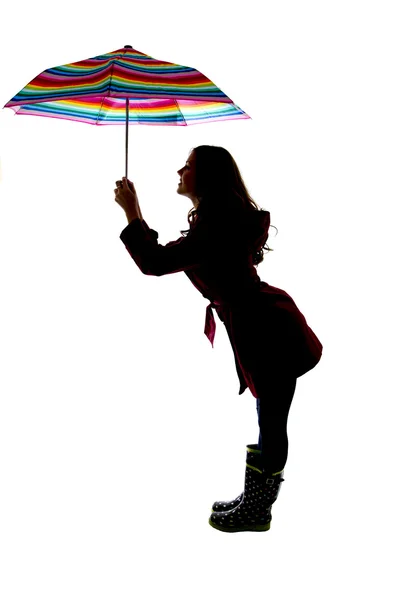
pixel 125 86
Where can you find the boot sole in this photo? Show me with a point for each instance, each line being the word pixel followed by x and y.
pixel 238 529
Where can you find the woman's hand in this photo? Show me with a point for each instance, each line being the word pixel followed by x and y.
pixel 126 197
pixel 125 194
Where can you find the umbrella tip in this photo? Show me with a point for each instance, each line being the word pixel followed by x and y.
pixel 128 47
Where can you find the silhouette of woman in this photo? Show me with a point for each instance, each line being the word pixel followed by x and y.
pixel 271 341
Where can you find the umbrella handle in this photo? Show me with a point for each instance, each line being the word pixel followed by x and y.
pixel 126 138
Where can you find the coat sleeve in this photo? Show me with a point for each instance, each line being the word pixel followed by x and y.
pixel 153 258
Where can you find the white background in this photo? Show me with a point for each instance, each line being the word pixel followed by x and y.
pixel 119 424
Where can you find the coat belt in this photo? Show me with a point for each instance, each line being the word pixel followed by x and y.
pixel 210 327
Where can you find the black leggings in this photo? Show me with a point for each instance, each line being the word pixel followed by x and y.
pixel 273 411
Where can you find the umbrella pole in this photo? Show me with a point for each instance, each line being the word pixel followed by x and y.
pixel 126 138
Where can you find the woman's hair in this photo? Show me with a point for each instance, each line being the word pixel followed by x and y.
pixel 222 194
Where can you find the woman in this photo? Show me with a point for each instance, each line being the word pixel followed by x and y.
pixel 270 338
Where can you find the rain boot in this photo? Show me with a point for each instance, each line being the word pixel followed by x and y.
pixel 261 489
pixel 220 505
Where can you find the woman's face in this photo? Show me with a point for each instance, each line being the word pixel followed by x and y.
pixel 186 185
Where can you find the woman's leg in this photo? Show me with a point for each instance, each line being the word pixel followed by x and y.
pixel 273 411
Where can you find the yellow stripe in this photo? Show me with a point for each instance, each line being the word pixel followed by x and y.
pixel 254 468
pixel 259 471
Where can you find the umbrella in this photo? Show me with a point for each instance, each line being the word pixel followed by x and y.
pixel 125 86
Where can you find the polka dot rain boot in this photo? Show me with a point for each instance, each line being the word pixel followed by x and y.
pixel 261 489
pixel 221 505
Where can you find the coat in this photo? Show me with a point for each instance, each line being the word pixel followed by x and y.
pixel 268 333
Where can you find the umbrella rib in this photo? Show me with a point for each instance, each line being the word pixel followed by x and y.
pixel 109 85
pixel 109 88
pixel 179 110
pixel 98 114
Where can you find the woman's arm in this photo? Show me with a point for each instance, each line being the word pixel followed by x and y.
pixel 153 258
pixel 133 212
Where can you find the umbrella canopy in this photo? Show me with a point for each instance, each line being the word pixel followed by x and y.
pixel 125 86
pixel 101 90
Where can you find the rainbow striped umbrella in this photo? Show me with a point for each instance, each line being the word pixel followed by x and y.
pixel 125 86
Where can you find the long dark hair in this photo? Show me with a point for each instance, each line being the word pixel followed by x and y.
pixel 223 196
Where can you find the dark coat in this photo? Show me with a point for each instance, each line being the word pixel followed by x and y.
pixel 267 331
